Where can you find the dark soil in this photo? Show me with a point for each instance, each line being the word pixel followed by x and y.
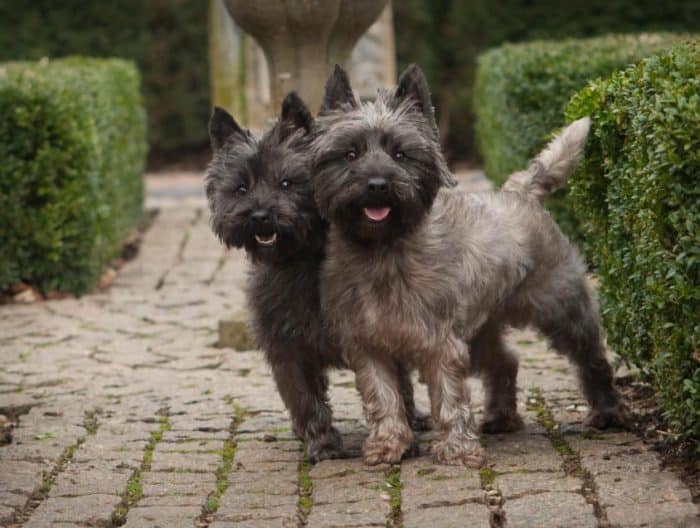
pixel 678 455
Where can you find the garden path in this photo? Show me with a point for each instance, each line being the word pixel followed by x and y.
pixel 129 413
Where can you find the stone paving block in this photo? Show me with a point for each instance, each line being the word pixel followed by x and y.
pixel 513 485
pixel 38 445
pixel 162 516
pixel 550 510
pixel 657 515
pixel 349 487
pixel 90 478
pixel 6 514
pixel 256 523
pixel 348 493
pixel 193 436
pixel 521 451
pixel 21 477
pixel 346 466
pixel 614 453
pixel 342 514
pixel 192 462
pixel 192 500
pixel 13 500
pixel 624 489
pixel 472 515
pixel 426 485
pixel 232 510
pixel 95 510
pixel 177 484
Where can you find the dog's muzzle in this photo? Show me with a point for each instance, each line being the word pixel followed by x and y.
pixel 263 228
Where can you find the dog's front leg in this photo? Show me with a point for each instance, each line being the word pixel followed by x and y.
pixel 303 388
pixel 445 373
pixel 390 436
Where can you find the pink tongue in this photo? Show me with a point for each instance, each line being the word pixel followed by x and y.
pixel 377 213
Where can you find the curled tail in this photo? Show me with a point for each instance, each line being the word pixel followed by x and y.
pixel 552 167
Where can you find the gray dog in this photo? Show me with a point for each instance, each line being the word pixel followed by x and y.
pixel 421 275
pixel 260 199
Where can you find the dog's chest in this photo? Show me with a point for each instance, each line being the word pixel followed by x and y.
pixel 395 307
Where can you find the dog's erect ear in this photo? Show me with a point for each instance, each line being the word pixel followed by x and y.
pixel 295 116
pixel 338 94
pixel 222 127
pixel 445 176
pixel 413 85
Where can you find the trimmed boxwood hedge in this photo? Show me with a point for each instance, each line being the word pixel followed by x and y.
pixel 637 196
pixel 72 145
pixel 521 92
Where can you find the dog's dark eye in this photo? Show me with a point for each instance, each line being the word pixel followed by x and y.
pixel 351 156
pixel 286 184
pixel 242 189
pixel 398 156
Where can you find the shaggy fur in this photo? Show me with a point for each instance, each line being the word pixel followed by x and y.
pixel 260 199
pixel 433 283
pixel 552 167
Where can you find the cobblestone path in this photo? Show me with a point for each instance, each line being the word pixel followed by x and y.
pixel 130 415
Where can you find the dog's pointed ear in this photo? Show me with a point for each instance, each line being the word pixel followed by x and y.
pixel 445 176
pixel 338 95
pixel 295 116
pixel 223 127
pixel 413 85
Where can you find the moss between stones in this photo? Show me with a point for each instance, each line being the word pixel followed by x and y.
pixel 134 486
pixel 305 501
pixel 228 454
pixel 571 459
pixel 393 484
pixel 488 476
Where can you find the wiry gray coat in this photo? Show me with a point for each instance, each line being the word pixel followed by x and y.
pixel 435 284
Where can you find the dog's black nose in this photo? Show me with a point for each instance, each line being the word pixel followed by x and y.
pixel 260 217
pixel 377 185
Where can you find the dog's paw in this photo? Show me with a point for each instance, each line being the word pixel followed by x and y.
pixel 618 416
pixel 459 452
pixel 502 422
pixel 420 421
pixel 387 450
pixel 326 446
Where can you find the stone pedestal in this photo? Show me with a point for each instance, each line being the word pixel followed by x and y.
pixel 234 332
pixel 371 64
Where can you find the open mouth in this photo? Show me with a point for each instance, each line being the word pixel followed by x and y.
pixel 266 240
pixel 377 214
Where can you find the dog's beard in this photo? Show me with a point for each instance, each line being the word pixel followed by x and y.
pixel 280 241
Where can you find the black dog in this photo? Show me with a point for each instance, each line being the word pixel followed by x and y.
pixel 261 199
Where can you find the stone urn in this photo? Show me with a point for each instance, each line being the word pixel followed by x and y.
pixel 303 39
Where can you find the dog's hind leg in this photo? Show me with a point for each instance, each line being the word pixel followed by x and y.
pixel 418 420
pixel 390 436
pixel 445 372
pixel 498 369
pixel 303 388
pixel 571 323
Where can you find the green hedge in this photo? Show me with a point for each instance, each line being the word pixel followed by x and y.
pixel 72 145
pixel 522 90
pixel 445 37
pixel 166 38
pixel 638 198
